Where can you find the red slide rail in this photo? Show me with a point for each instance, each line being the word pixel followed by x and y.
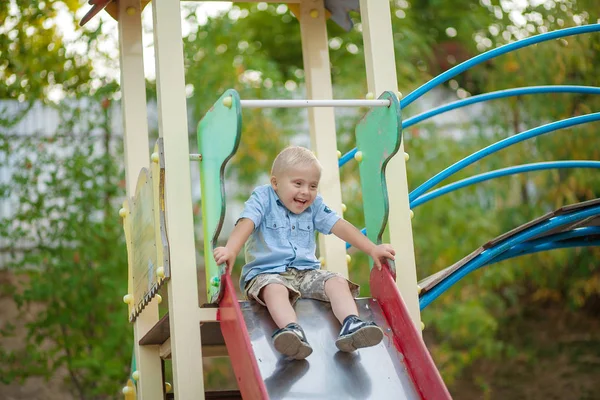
pixel 238 344
pixel 408 341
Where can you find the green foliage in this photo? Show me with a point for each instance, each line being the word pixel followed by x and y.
pixel 222 54
pixel 65 244
pixel 63 241
pixel 35 59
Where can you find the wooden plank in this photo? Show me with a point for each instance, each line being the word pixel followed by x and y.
pixel 216 395
pixel 577 206
pixel 143 245
pixel 165 349
pixel 161 332
pixel 133 94
pixel 560 211
pixel 158 334
pixel 518 229
pixel 428 283
pixel 160 219
pixel 207 350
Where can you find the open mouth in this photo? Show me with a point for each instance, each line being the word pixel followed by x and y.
pixel 300 202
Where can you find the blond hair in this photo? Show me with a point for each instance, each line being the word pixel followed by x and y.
pixel 293 156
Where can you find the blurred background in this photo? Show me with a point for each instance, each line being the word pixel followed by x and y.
pixel 524 328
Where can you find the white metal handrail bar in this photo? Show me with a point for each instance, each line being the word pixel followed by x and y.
pixel 313 103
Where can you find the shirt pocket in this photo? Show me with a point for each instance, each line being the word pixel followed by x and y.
pixel 306 233
pixel 276 232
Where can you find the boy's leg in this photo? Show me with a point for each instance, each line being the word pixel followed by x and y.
pixel 274 292
pixel 340 297
pixel 290 339
pixel 277 299
pixel 332 287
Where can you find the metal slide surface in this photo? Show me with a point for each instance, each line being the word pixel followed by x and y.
pixel 372 373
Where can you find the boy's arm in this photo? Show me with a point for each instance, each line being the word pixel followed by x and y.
pixel 348 232
pixel 241 232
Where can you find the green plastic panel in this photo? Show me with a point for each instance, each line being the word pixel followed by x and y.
pixel 378 138
pixel 218 139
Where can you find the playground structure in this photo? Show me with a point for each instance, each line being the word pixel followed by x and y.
pixel 159 226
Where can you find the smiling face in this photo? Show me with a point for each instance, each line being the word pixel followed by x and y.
pixel 297 186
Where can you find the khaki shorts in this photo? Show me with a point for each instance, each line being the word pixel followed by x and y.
pixel 308 284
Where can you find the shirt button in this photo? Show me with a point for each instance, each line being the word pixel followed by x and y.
pixel 293 227
pixel 295 248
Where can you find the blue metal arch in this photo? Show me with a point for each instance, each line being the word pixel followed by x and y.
pixel 500 94
pixel 488 255
pixel 488 55
pixel 540 130
pixel 499 173
pixel 482 98
pixel 557 241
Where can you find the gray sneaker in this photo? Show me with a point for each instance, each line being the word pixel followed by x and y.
pixel 357 333
pixel 291 341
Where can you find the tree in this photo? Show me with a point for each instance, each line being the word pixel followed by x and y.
pixel 37 62
pixel 63 237
pixel 66 245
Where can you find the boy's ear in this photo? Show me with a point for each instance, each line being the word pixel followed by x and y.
pixel 274 183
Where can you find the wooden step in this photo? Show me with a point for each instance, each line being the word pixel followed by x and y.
pixel 213 344
pixel 161 332
pixel 216 394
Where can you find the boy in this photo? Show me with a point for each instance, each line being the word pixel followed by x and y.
pixel 277 226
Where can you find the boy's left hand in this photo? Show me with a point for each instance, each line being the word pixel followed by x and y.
pixel 380 253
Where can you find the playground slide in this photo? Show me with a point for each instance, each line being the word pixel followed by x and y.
pixel 400 367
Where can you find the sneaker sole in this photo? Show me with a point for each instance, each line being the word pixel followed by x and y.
pixel 287 343
pixel 365 337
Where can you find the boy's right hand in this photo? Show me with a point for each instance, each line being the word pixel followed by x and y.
pixel 380 253
pixel 224 255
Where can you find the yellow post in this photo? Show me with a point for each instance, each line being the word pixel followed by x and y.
pixel 133 100
pixel 381 76
pixel 182 287
pixel 317 73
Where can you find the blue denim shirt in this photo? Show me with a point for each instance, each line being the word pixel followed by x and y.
pixel 282 239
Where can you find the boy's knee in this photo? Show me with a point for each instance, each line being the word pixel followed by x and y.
pixel 336 283
pixel 274 289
